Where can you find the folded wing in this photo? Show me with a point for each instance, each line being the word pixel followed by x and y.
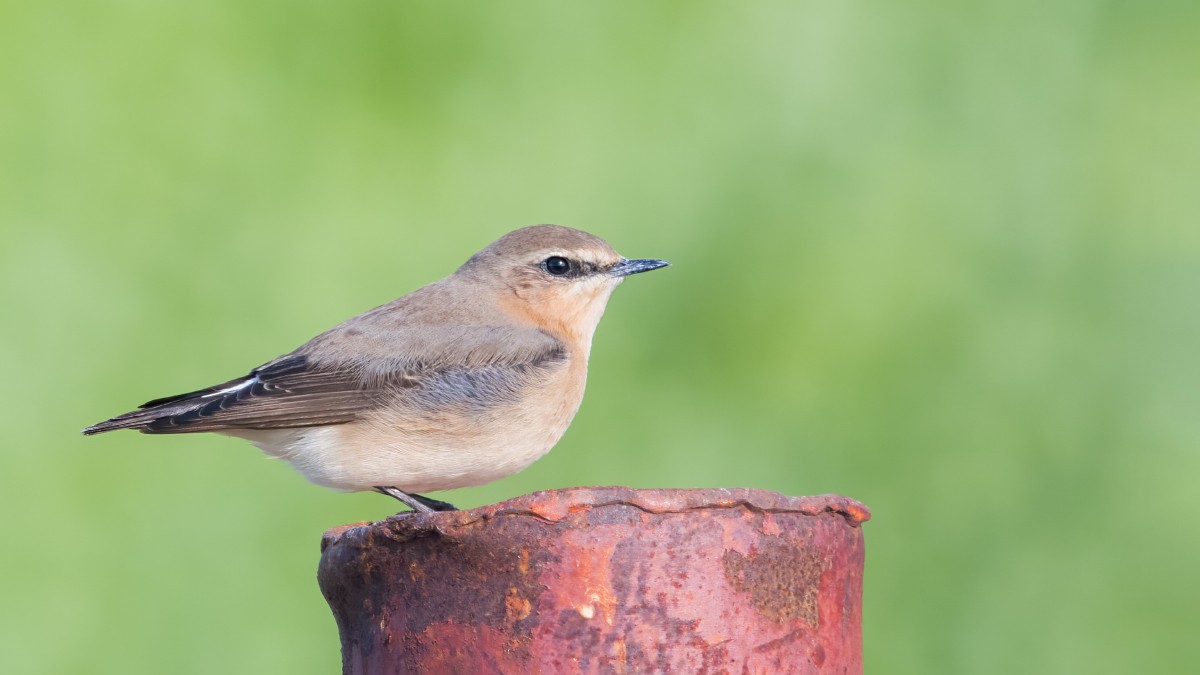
pixel 299 391
pixel 289 392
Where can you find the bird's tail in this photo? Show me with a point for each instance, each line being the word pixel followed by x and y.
pixel 160 408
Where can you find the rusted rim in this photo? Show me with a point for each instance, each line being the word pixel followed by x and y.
pixel 554 505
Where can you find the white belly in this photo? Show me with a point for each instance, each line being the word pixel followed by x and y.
pixel 365 454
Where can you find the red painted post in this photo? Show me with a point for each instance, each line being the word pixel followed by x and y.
pixel 604 580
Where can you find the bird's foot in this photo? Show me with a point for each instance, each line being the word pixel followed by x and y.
pixel 416 502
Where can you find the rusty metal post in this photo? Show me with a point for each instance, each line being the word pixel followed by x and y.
pixel 604 580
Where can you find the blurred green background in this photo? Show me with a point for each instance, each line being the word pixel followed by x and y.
pixel 941 257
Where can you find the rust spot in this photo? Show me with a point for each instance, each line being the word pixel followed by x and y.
pixel 817 656
pixel 620 654
pixel 782 578
pixel 770 526
pixel 515 606
pixel 855 513
pixel 415 573
pixel 780 642
pixel 585 583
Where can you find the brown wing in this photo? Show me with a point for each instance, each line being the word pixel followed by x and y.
pixel 288 392
pixel 471 367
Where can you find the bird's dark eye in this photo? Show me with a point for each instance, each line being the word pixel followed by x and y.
pixel 557 265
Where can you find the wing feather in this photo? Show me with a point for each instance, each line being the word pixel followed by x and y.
pixel 298 391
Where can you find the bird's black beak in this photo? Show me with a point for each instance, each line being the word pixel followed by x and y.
pixel 627 267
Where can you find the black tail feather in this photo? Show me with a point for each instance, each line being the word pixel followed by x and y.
pixel 169 406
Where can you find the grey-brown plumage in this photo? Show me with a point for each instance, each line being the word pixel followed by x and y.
pixel 457 383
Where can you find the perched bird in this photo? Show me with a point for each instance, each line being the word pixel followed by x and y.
pixel 459 383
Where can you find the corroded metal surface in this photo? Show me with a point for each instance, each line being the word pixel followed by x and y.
pixel 604 580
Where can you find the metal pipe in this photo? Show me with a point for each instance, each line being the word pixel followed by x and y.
pixel 612 580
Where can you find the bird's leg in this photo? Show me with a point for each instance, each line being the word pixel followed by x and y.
pixel 435 504
pixel 416 502
pixel 408 500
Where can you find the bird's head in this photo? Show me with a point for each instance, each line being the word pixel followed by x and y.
pixel 554 276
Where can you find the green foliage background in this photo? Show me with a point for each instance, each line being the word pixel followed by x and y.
pixel 942 257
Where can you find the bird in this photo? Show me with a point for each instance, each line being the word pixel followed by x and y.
pixel 459 383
